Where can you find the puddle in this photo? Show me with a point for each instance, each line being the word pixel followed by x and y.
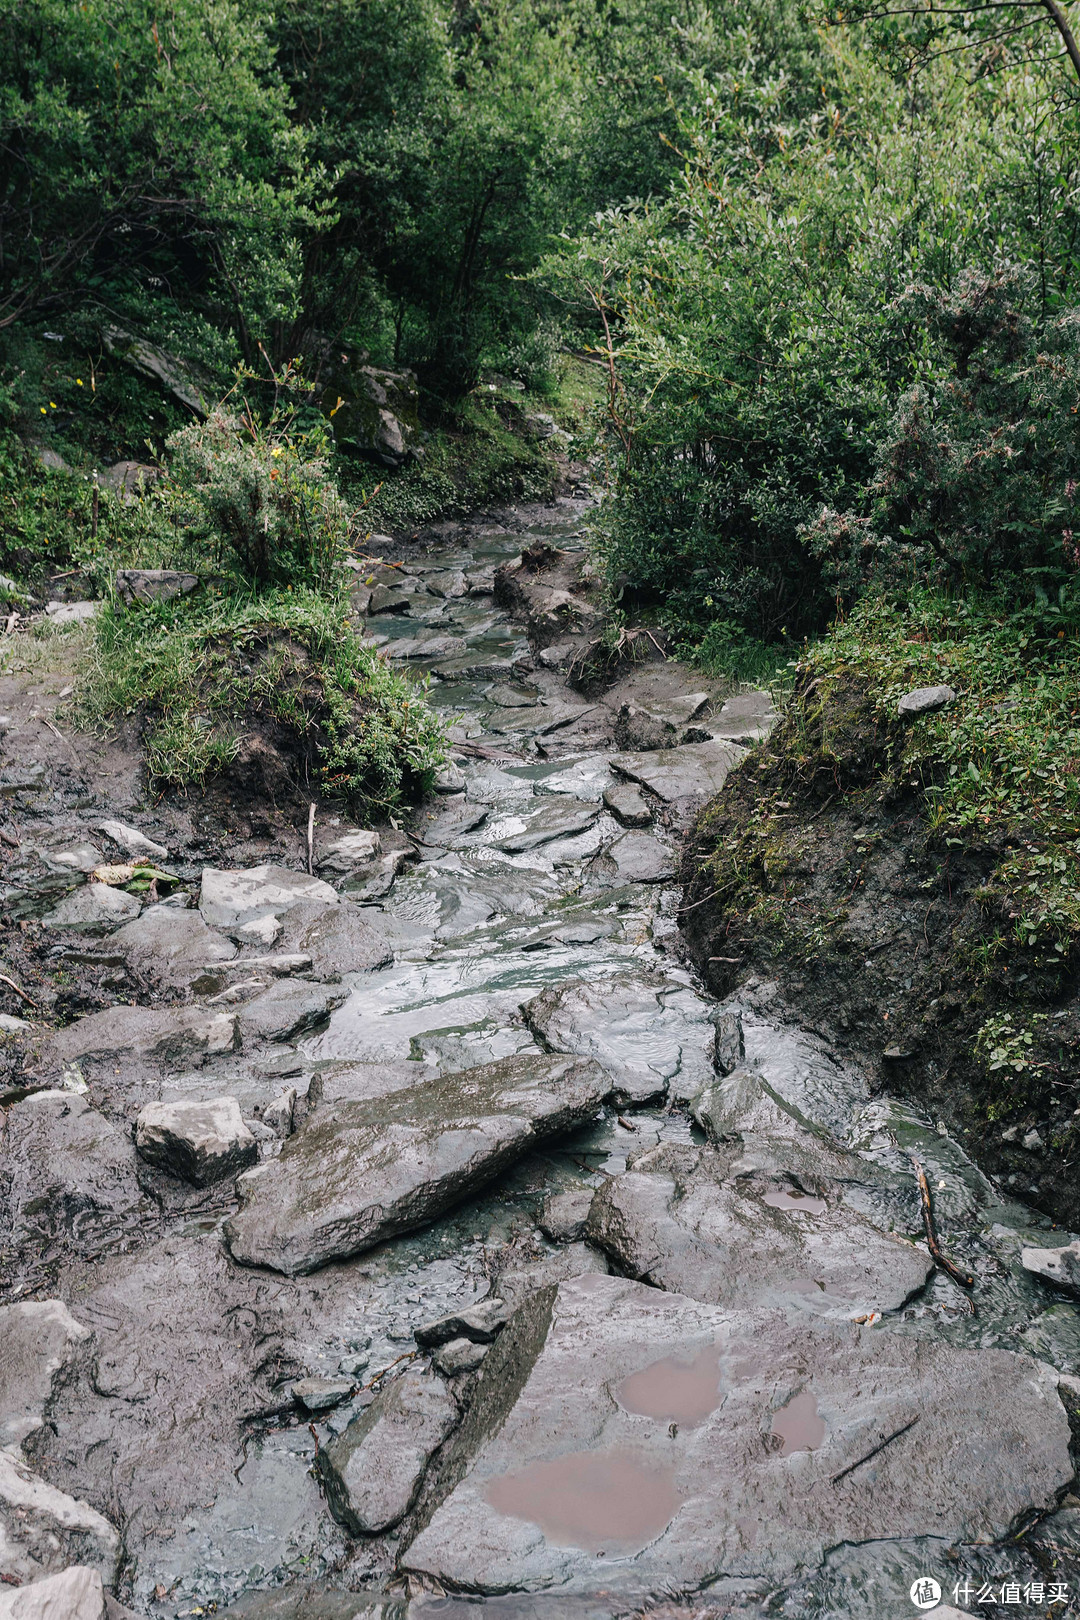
pixel 788 1198
pixel 797 1425
pixel 605 1502
pixel 674 1391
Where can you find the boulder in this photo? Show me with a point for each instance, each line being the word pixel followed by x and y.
pixel 64 613
pixel 171 945
pixel 43 1530
pixel 177 377
pixel 132 841
pixel 449 778
pixel 636 857
pixel 924 700
pixel 628 805
pixel 175 1034
pixel 1058 1266
pixel 555 817
pixel 129 480
pixel 348 850
pixel 692 1439
pixel 74 1594
pixel 459 1356
pixel 40 1340
pixel 346 938
pixel 201 1142
pixel 481 1323
pixel 694 771
pixel 230 899
pixel 372 1472
pixel 94 909
pixel 153 584
pixel 427 647
pixel 70 1175
pixel 563 1216
pixel 322 1394
pixel 373 411
pixel 355 1173
pixel 287 1010
pixel 639 730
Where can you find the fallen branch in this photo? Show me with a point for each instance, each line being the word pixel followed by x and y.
pixel 18 992
pixel 310 839
pixel 851 1467
pixel 9 838
pixel 697 903
pixel 932 1243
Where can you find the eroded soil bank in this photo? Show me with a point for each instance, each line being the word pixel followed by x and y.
pixel 422 1234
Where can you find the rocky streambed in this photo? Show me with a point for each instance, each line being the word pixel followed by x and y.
pixel 421 1239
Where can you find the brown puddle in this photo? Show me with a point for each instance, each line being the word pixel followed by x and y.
pixel 797 1424
pixel 601 1501
pixel 788 1198
pixel 674 1391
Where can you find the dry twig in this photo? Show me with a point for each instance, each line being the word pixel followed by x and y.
pixel 932 1243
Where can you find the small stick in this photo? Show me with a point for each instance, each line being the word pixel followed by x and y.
pixel 627 1125
pixel 19 992
pixel 315 1437
pixel 310 838
pixel 932 1243
pixel 850 1469
pixel 9 838
pixel 697 903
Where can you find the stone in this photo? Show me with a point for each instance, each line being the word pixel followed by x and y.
pixel 72 612
pixel 628 805
pixel 563 1217
pixel 714 1226
pixel 321 1394
pixel 459 1356
pixel 647 1031
pixel 449 778
pixel 390 599
pixel 559 655
pixel 374 412
pixel 201 1142
pixel 231 899
pixel 154 584
pixel 638 858
pixel 346 938
pixel 925 700
pixel 93 909
pixel 372 1472
pixel 694 771
pixel 481 1323
pixel 348 851
pixel 555 817
pixel 1058 1266
pixel 43 1530
pixel 749 717
pixel 692 1439
pixel 129 480
pixel 69 1175
pixel 639 730
pixel 278 1114
pixel 176 376
pixel 171 946
pixel 40 1340
pixel 259 931
pixel 449 585
pixel 75 1593
pixel 355 1173
pixel 428 647
pixel 175 1034
pixel 132 841
pixel 288 1010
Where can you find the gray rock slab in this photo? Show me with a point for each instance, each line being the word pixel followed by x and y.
pixel 1058 1266
pixel 228 899
pixel 650 1033
pixel 321 1394
pixel 389 599
pixel 346 938
pixel 563 1216
pixel 553 817
pixel 575 1260
pixel 171 946
pixel 175 1034
pixel 344 852
pixel 692 1439
pixel 40 1340
pixel 74 1594
pixel 449 584
pixel 695 771
pixel 201 1142
pixel 459 1356
pixel 481 1323
pixel 924 700
pixel 700 1223
pixel 287 1010
pixel 154 584
pixel 70 1175
pixel 638 857
pixel 628 805
pixel 43 1530
pixel 372 1472
pixel 96 908
pixel 355 1173
pixel 427 647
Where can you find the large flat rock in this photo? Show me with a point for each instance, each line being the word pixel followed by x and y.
pixel 171 945
pixel 372 1471
pixel 40 1340
pixel 693 1440
pixel 695 771
pixel 43 1530
pixel 74 1594
pixel 358 1172
pixel 230 899
pixel 174 1034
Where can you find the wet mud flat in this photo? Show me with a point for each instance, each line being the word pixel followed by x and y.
pixel 428 1241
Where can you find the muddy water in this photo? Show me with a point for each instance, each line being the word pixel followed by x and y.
pixel 604 1501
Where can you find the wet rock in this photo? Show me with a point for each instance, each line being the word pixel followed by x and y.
pixel 348 851
pixel 94 909
pixel 628 805
pixel 132 841
pixel 575 1260
pixel 1058 1266
pixel 372 1472
pixel 346 938
pixel 750 717
pixel 729 1043
pixel 70 1174
pixel 638 730
pixel 449 779
pixel 559 655
pixel 40 1339
pixel 459 1356
pixel 171 946
pixel 287 1010
pixel 278 1114
pixel 645 1030
pixel 695 771
pixel 74 1594
pixel 563 1217
pixel 322 1394
pixel 638 858
pixel 449 585
pixel 427 647
pixel 561 817
pixel 153 584
pixel 390 599
pixel 175 1034
pixel 692 1439
pixel 231 899
pixel 201 1142
pixel 43 1530
pixel 481 1323
pixel 924 700
pixel 712 1227
pixel 355 1173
